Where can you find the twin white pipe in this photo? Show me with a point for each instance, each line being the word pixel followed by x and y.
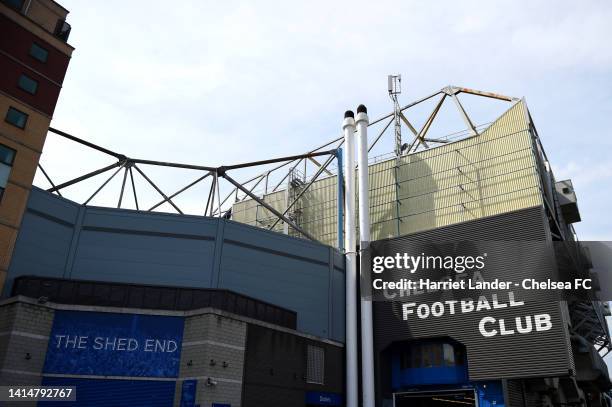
pixel 367 343
pixel 348 127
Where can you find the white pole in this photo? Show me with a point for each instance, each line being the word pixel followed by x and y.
pixel 348 127
pixel 367 342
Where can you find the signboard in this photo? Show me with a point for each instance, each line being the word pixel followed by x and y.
pixel 109 344
pixel 317 398
pixel 471 284
pixel 188 393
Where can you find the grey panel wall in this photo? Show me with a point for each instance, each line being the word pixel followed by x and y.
pixel 513 356
pixel 60 238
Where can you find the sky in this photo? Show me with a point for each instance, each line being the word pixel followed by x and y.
pixel 214 83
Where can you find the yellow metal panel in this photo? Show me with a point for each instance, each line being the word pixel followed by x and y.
pixel 481 176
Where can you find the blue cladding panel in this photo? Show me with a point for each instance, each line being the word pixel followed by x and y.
pixel 146 259
pixel 338 301
pixel 105 344
pixel 296 284
pixel 43 244
pixel 116 393
pixel 176 250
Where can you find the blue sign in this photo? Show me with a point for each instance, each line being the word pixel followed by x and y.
pixel 108 344
pixel 188 393
pixel 115 393
pixel 323 399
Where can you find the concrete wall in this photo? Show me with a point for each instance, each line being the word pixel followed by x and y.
pixel 216 347
pixel 208 335
pixel 60 238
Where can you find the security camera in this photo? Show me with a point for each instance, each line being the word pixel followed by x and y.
pixel 211 382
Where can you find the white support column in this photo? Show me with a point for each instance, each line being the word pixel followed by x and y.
pixel 348 128
pixel 367 341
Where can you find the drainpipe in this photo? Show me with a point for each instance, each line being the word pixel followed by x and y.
pixel 348 128
pixel 367 342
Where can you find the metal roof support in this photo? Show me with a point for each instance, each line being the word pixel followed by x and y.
pixel 233 191
pixel 125 171
pixel 408 124
pixel 104 184
pixel 286 175
pixel 210 195
pixel 464 115
pixel 48 178
pixel 265 205
pixel 303 191
pixel 427 125
pixel 134 188
pixel 261 178
pixel 485 94
pixel 171 164
pixel 84 177
pixel 277 160
pixel 157 189
pixel 180 191
pixel 87 143
pixel 218 192
pixel 318 164
pixel 380 135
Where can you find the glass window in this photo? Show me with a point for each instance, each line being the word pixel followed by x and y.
pixel 315 365
pixel 7 156
pixel 436 354
pixel 14 4
pixel 427 359
pixel 39 52
pixel 459 356
pixel 28 84
pixel 449 354
pixel 405 359
pixel 416 356
pixel 16 117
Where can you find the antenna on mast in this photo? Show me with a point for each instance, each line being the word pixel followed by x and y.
pixel 394 86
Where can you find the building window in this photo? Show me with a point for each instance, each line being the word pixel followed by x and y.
pixel 39 52
pixel 429 355
pixel 28 84
pixel 315 365
pixel 14 4
pixel 16 117
pixel 7 157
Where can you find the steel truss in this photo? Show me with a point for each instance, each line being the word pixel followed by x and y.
pixel 587 318
pixel 217 206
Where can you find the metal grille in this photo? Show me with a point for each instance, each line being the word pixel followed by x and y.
pixel 315 366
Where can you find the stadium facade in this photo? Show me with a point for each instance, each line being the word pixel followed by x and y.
pixel 247 305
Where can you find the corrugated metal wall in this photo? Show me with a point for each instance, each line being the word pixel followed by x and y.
pixel 275 371
pixel 60 238
pixel 512 356
pixel 469 179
